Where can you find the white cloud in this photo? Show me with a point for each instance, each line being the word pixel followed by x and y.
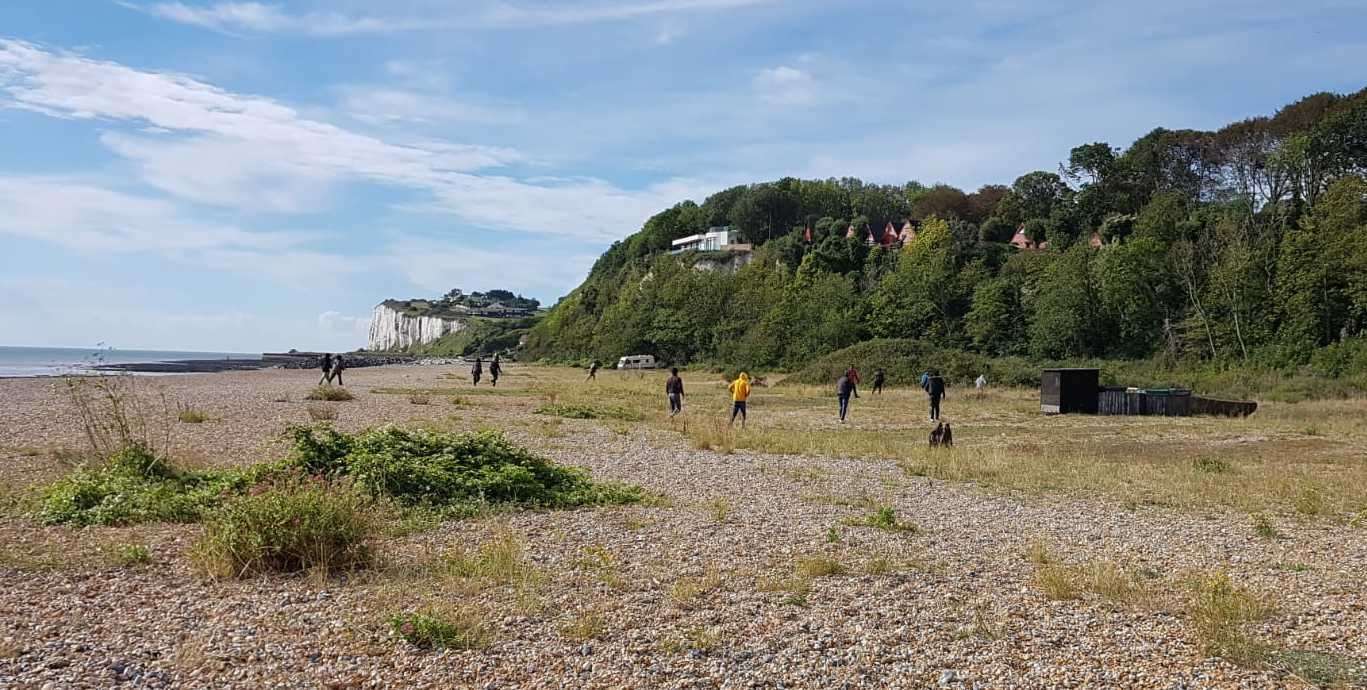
pixel 84 216
pixel 270 18
pixel 255 154
pixel 379 104
pixel 784 85
pixel 334 323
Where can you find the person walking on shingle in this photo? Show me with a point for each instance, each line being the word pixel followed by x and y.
pixel 935 388
pixel 477 370
pixel 325 363
pixel 740 393
pixel 674 390
pixel 495 368
pixel 844 387
pixel 338 365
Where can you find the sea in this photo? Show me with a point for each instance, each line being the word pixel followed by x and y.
pixel 60 361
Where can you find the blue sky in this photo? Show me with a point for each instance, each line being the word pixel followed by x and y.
pixel 253 175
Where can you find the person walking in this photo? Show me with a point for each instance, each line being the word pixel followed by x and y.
pixel 935 387
pixel 853 375
pixel 843 388
pixel 879 378
pixel 593 371
pixel 495 368
pixel 740 393
pixel 338 365
pixel 674 390
pixel 477 370
pixel 980 382
pixel 325 363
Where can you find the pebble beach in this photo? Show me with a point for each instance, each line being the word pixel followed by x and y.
pixel 700 589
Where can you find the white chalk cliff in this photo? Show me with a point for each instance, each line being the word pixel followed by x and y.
pixel 392 329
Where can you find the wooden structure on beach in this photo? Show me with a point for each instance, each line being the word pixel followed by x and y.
pixel 1068 391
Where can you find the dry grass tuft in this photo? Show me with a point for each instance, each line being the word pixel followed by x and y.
pixel 687 590
pixel 584 626
pixel 319 412
pixel 1220 612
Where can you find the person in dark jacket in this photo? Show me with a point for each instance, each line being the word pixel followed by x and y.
pixel 477 370
pixel 674 390
pixel 879 378
pixel 495 368
pixel 338 365
pixel 325 363
pixel 593 371
pixel 844 387
pixel 935 388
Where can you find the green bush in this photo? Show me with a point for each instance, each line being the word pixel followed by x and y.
pixel 449 471
pixel 136 486
pixel 433 631
pixel 589 412
pixel 902 360
pixel 295 526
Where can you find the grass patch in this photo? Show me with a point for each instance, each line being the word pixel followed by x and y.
pixel 464 628
pixel 1211 465
pixel 1057 582
pixel 884 518
pixel 584 626
pixel 686 590
pixel 819 566
pixel 128 555
pixel 717 509
pixel 582 411
pixel 603 565
pixel 1220 612
pixel 1264 527
pixel 700 639
pixel 304 526
pixel 330 394
pixel 319 412
pixel 501 560
pixel 1111 582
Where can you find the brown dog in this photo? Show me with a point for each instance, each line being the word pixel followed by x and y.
pixel 947 438
pixel 937 436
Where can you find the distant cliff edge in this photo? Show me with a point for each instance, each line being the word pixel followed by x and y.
pixel 455 324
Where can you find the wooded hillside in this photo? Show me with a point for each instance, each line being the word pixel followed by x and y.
pixel 1244 244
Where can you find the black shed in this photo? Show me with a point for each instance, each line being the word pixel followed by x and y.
pixel 1064 391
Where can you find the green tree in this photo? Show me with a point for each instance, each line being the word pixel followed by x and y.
pixel 1066 322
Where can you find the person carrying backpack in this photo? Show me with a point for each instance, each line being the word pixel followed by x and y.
pixel 843 388
pixel 935 388
pixel 740 393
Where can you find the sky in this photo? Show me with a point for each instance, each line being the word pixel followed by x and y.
pixel 254 176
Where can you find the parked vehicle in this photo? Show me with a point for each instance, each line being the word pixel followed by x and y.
pixel 637 362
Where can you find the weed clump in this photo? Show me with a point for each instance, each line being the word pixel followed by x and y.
pixel 884 518
pixel 330 394
pixel 432 630
pixel 191 415
pixel 322 413
pixel 450 472
pixel 301 525
pixel 128 555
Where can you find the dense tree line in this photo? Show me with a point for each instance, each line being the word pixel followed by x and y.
pixel 1247 243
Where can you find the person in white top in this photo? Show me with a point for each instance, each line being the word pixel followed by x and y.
pixel 980 381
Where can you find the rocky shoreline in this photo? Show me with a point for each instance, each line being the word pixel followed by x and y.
pixel 287 360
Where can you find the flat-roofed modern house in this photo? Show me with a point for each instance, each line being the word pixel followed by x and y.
pixel 714 240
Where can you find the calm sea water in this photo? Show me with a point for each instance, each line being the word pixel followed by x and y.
pixel 55 361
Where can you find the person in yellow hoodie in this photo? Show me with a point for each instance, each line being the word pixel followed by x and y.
pixel 740 392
